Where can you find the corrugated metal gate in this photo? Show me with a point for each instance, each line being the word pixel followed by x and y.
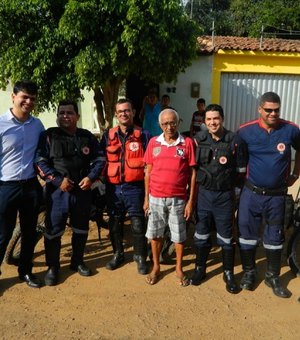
pixel 240 93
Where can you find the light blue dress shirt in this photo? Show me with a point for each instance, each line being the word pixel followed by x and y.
pixel 18 142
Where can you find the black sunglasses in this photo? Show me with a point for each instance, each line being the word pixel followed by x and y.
pixel 272 110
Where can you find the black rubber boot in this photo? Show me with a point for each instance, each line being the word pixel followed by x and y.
pixel 273 272
pixel 139 243
pixel 115 233
pixel 248 263
pixel 200 268
pixel 52 251
pixel 51 277
pixel 78 246
pixel 228 265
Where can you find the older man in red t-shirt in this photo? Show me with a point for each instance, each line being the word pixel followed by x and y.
pixel 170 163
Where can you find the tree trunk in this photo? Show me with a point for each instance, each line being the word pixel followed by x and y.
pixel 105 98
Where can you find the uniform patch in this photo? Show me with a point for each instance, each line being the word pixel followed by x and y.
pixel 85 150
pixel 133 146
pixel 281 147
pixel 156 151
pixel 223 160
pixel 180 152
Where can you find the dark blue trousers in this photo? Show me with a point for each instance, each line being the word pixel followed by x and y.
pixel 214 208
pixel 258 210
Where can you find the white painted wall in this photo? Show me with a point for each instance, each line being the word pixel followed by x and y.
pixel 199 72
pixel 86 110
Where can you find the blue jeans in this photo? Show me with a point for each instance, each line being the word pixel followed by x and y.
pixel 25 198
pixel 126 197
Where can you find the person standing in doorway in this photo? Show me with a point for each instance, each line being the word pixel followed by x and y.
pixel 197 123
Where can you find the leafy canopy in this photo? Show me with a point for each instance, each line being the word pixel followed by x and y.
pixel 66 46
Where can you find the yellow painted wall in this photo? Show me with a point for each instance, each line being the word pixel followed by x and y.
pixel 251 62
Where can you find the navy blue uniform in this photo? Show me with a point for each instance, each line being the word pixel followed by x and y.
pixel 219 163
pixel 61 155
pixel 262 199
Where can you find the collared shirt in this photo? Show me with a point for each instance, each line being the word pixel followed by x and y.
pixel 171 166
pixel 269 154
pixel 18 142
pixel 161 139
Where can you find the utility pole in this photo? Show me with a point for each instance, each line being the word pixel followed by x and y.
pixel 191 13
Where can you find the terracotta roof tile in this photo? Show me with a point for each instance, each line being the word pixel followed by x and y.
pixel 208 45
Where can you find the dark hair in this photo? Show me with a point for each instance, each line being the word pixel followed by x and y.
pixel 26 86
pixel 68 102
pixel 123 101
pixel 165 96
pixel 271 97
pixel 201 101
pixel 215 107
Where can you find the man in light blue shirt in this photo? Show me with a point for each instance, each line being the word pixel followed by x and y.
pixel 20 191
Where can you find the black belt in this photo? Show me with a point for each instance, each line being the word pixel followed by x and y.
pixel 265 191
pixel 21 181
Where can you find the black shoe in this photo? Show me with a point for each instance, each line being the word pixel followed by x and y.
pixel 31 280
pixel 274 283
pixel 82 269
pixel 141 264
pixel 229 279
pixel 248 280
pixel 198 276
pixel 116 261
pixel 51 277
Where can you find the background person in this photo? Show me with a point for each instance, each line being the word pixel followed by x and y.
pixel 149 114
pixel 197 123
pixel 269 140
pixel 219 166
pixel 123 149
pixel 170 162
pixel 20 191
pixel 68 158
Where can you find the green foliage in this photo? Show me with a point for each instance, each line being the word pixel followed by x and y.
pixel 247 17
pixel 66 45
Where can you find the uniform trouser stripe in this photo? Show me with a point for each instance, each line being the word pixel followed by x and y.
pixel 225 240
pixel 273 247
pixel 201 236
pixel 248 242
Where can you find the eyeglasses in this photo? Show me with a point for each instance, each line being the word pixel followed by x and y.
pixel 171 124
pixel 123 111
pixel 272 110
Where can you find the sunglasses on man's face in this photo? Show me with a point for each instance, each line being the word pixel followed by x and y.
pixel 272 110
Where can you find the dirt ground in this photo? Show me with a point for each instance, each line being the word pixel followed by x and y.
pixel 120 305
